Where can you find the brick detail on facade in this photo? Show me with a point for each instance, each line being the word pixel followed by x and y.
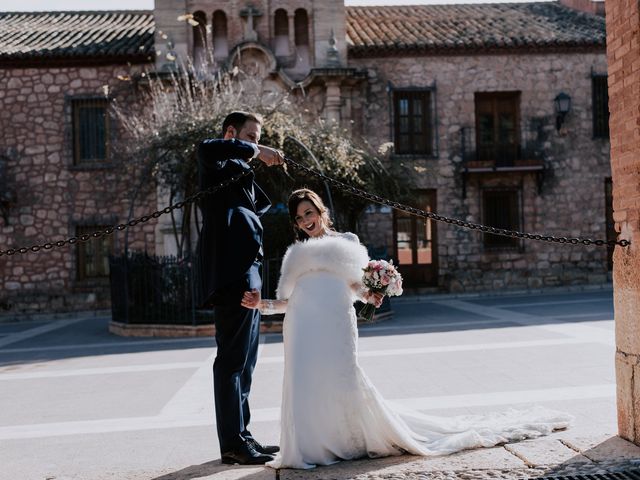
pixel 623 52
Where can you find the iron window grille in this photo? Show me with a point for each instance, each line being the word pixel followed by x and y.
pixel 91 131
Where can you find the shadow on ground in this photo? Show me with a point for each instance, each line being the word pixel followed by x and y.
pixel 343 470
pixel 91 337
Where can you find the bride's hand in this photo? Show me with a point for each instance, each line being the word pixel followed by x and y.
pixel 375 298
pixel 251 299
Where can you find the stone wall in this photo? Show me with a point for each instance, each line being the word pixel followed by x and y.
pixel 52 195
pixel 572 197
pixel 623 52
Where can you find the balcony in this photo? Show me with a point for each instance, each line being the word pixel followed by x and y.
pixel 503 158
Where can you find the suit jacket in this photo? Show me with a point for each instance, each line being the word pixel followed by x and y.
pixel 231 235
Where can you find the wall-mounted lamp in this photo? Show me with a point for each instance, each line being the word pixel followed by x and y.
pixel 562 104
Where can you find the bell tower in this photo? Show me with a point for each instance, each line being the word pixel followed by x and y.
pixel 171 36
pixel 329 27
pixel 301 34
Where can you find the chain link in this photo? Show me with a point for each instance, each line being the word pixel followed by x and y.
pixel 131 223
pixel 337 183
pixel 453 221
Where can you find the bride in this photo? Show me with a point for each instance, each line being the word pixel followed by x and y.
pixel 330 409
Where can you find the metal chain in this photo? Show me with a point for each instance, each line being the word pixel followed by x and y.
pixel 132 223
pixel 453 221
pixel 348 188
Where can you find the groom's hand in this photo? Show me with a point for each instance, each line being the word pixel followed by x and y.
pixel 270 156
pixel 251 299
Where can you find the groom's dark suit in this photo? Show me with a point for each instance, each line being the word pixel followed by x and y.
pixel 229 261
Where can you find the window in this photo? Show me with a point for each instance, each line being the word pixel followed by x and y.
pixel 497 127
pixel 90 131
pixel 200 39
pixel 501 209
pixel 220 42
pixel 281 27
pixel 301 39
pixel 93 255
pixel 301 26
pixel 412 122
pixel 600 106
pixel 6 191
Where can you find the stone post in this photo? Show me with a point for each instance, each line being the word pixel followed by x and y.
pixel 333 102
pixel 623 55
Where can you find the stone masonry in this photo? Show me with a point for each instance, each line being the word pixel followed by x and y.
pixel 52 195
pixel 571 201
pixel 348 82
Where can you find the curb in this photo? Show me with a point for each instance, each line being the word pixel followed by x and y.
pixel 174 331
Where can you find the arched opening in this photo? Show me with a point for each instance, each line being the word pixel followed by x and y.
pixel 301 26
pixel 200 39
pixel 281 33
pixel 220 39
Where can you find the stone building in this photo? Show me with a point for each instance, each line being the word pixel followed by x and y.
pixel 499 111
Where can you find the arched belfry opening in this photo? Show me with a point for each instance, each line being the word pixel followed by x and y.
pixel 220 35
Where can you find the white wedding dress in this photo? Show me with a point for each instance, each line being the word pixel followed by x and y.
pixel 330 409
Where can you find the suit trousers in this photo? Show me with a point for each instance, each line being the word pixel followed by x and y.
pixel 237 338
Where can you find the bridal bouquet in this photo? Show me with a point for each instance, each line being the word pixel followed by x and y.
pixel 380 276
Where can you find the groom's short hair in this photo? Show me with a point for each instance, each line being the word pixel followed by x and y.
pixel 238 119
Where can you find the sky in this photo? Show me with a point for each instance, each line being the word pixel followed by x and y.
pixel 48 5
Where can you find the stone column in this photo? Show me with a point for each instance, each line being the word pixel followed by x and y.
pixel 623 55
pixel 333 102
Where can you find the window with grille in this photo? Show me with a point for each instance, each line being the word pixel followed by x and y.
pixel 412 122
pixel 497 126
pixel 600 106
pixel 93 255
pixel 90 131
pixel 501 209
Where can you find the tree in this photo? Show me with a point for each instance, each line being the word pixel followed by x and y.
pixel 181 107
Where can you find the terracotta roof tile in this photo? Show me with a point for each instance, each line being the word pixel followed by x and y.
pixel 37 35
pixel 371 30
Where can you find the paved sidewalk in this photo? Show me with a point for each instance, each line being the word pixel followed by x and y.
pixel 79 403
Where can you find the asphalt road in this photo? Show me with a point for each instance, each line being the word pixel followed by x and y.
pixel 79 403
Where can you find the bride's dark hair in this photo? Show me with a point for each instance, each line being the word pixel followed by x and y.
pixel 299 196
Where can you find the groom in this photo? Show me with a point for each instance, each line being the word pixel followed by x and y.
pixel 230 262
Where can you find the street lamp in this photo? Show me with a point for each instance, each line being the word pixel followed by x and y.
pixel 562 104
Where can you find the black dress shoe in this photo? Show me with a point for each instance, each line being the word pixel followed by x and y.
pixel 266 449
pixel 245 455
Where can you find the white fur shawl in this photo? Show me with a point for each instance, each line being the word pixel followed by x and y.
pixel 340 254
